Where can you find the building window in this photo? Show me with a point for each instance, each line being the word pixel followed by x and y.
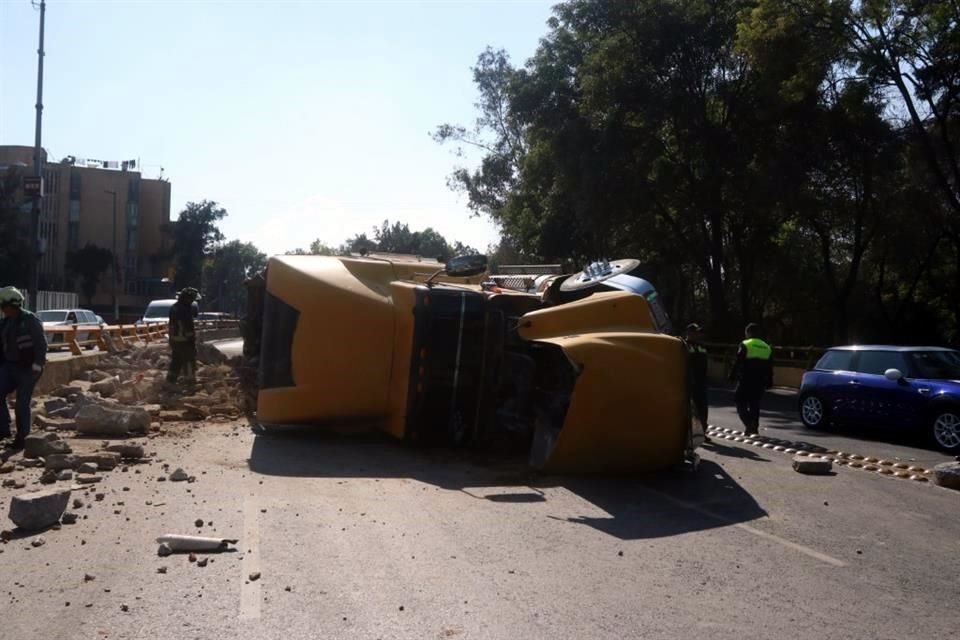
pixel 73 225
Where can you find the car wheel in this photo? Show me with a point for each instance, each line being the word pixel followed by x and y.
pixel 813 411
pixel 946 430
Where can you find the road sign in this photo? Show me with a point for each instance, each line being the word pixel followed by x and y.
pixel 32 186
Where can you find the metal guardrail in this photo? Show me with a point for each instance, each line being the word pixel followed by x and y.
pixel 799 357
pixel 97 336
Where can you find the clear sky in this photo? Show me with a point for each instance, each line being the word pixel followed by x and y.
pixel 303 119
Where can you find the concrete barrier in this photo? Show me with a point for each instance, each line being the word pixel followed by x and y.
pixel 718 371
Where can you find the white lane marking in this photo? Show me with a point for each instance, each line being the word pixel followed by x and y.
pixel 807 551
pixel 250 593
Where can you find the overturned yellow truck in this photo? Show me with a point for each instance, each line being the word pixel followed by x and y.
pixel 578 370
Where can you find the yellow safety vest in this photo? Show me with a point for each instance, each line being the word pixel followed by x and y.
pixel 757 349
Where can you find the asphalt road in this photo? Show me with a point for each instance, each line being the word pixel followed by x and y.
pixel 779 418
pixel 360 537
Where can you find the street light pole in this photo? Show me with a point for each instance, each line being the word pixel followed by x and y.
pixel 116 300
pixel 34 275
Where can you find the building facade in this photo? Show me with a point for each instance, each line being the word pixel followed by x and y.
pixel 113 208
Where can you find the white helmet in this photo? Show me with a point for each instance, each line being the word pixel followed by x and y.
pixel 10 295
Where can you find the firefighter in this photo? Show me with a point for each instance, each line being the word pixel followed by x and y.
pixel 182 337
pixel 22 359
pixel 697 373
pixel 754 372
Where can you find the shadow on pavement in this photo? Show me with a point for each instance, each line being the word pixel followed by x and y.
pixel 666 503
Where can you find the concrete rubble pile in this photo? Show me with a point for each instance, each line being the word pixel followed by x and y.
pixel 128 392
pixel 101 422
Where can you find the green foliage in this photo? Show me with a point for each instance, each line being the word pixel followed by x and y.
pixel 793 161
pixel 398 238
pixel 195 235
pixel 88 264
pixel 224 272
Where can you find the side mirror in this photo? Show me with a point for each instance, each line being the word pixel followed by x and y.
pixel 466 266
pixel 894 375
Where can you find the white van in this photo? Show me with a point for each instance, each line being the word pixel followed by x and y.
pixel 159 311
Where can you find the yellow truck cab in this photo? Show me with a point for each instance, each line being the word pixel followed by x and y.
pixel 579 370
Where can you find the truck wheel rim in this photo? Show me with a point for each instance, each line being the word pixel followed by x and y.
pixel 946 430
pixel 812 410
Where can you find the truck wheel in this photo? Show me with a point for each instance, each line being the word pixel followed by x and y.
pixel 945 430
pixel 813 411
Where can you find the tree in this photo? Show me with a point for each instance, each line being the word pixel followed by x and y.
pixel 224 274
pixel 195 235
pixel 88 264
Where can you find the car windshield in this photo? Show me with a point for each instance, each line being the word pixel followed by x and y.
pixel 158 310
pixel 942 365
pixel 52 316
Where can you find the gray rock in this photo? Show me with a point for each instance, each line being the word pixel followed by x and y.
pixel 88 479
pixel 97 375
pixel 60 461
pixel 87 467
pixel 60 424
pixel 7 467
pixel 39 509
pixel 179 476
pixel 101 420
pixel 65 391
pixel 947 474
pixel 54 404
pixel 106 387
pixel 105 460
pixel 66 474
pixel 811 466
pixel 40 446
pixel 127 451
pixel 68 518
pixel 49 476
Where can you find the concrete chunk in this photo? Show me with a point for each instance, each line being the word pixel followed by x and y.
pixel 811 466
pixel 60 424
pixel 60 461
pixel 947 474
pixel 107 421
pixel 39 446
pixel 105 460
pixel 39 509
pixel 128 451
pixel 106 387
pixel 54 404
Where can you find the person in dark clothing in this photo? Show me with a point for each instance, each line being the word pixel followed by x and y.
pixel 182 337
pixel 697 373
pixel 754 372
pixel 23 355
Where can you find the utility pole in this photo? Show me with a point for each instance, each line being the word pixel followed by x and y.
pixel 115 269
pixel 34 283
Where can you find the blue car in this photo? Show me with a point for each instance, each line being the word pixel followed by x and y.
pixel 916 388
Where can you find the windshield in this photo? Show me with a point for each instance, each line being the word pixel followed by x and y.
pixel 52 316
pixel 941 365
pixel 158 309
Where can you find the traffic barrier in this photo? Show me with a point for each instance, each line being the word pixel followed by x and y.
pixel 77 336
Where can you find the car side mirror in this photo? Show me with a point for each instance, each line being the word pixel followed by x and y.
pixel 466 266
pixel 894 375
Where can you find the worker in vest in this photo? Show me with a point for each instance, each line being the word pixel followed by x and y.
pixel 23 354
pixel 754 372
pixel 697 373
